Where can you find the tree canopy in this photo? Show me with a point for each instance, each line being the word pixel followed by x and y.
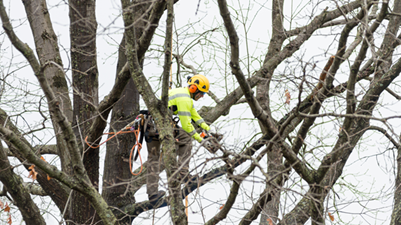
pixel 305 93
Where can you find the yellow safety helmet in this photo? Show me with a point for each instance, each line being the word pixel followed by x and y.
pixel 200 81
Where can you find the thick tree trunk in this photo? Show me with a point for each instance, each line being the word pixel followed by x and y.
pixel 159 112
pixel 46 44
pixel 47 50
pixel 83 28
pixel 117 174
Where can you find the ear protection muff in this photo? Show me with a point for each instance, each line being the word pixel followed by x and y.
pixel 192 88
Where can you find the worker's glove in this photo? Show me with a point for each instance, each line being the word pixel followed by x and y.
pixel 209 144
pixel 205 134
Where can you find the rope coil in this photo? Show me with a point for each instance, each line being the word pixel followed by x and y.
pixel 123 131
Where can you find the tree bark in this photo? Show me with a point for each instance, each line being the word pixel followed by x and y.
pixel 274 168
pixel 21 197
pixel 160 114
pixel 47 50
pixel 83 27
pixel 117 175
pixel 396 214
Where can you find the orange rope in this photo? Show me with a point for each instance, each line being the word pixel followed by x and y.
pixel 115 134
pixel 139 153
pixel 186 206
pixel 136 132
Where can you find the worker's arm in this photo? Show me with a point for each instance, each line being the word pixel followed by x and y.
pixel 198 119
pixel 184 113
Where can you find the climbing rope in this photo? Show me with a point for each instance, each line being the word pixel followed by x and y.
pixel 123 131
pixel 136 132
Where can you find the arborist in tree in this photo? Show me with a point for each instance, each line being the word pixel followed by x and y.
pixel 180 102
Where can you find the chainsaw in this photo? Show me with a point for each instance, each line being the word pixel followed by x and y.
pixel 214 138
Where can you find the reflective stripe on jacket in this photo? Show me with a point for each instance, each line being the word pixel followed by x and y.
pixel 181 98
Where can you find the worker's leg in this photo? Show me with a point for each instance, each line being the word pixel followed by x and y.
pixel 184 147
pixel 152 178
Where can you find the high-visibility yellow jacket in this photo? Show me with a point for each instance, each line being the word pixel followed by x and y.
pixel 184 108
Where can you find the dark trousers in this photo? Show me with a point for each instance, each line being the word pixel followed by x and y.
pixel 183 149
